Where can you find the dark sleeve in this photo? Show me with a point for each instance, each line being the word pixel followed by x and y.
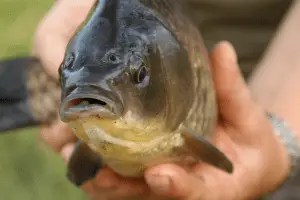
pixel 12 80
pixel 14 108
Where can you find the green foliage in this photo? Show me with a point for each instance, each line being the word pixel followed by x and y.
pixel 28 169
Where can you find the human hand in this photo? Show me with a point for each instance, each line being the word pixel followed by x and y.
pixel 56 29
pixel 49 43
pixel 243 133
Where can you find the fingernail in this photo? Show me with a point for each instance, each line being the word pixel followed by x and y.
pixel 159 183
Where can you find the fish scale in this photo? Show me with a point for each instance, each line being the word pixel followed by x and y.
pixel 188 34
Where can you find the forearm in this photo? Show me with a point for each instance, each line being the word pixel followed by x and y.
pixel 276 82
pixel 55 30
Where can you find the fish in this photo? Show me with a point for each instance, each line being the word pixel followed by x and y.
pixel 136 89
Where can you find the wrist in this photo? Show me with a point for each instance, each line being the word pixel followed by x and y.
pixel 292 148
pixel 275 169
pixel 281 167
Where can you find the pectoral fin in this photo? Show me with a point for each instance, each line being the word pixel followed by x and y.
pixel 206 151
pixel 83 165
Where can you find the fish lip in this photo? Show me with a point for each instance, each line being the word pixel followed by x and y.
pixel 72 112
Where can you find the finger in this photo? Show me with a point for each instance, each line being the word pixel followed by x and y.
pixel 133 188
pixel 66 151
pixel 117 186
pixel 172 181
pixel 101 185
pixel 92 191
pixel 107 179
pixel 57 135
pixel 234 99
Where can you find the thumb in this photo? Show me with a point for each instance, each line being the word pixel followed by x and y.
pixel 57 135
pixel 234 99
pixel 169 180
pixel 66 151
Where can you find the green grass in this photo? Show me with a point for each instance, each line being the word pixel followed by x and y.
pixel 28 169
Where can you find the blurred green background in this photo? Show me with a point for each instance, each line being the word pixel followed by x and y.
pixel 28 169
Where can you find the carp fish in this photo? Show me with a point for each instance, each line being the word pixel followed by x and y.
pixel 137 91
pixel 137 88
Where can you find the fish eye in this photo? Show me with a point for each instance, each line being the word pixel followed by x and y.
pixel 140 74
pixel 112 58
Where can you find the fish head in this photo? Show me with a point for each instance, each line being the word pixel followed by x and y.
pixel 126 65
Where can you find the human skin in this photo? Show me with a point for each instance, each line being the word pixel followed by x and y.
pixel 275 85
pixel 238 134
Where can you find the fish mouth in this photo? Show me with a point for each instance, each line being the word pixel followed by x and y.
pixel 83 103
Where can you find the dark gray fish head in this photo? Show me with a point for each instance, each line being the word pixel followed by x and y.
pixel 123 62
